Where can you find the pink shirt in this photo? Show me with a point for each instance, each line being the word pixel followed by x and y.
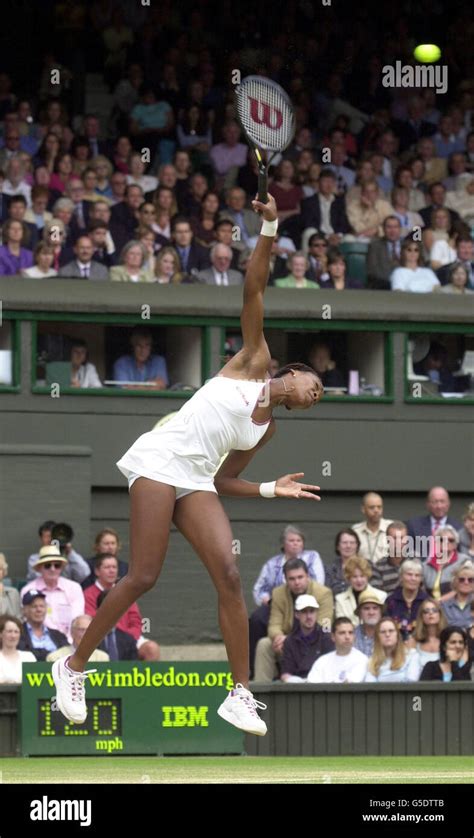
pixel 63 603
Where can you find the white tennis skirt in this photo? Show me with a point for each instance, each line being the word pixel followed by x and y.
pixel 180 490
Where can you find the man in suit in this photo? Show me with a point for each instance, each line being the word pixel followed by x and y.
pixel 415 127
pixel 437 503
pixel 437 197
pixel 80 213
pixel 83 266
pixel 119 645
pixel 124 217
pixel 35 636
pixel 91 130
pixel 248 221
pixel 325 211
pixel 465 255
pixel 220 273
pixel 282 614
pixel 193 257
pixel 383 255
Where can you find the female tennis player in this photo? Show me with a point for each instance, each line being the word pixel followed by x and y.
pixel 174 475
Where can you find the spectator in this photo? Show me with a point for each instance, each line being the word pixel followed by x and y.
pixel 246 220
pixel 437 197
pixel 220 273
pixel 454 663
pixel 11 659
pixel 228 155
pixel 119 645
pixel 167 267
pixel 337 274
pixel 416 126
pixel 152 123
pixel 43 261
pixel 457 607
pixel 292 546
pixel 460 200
pixel 281 623
pixel 345 176
pixel 44 533
pixel 326 211
pixel 83 373
pixel 287 193
pixel 403 603
pixel 118 186
pixel 438 239
pixel 64 598
pixel 318 259
pixel 142 364
pixel 17 212
pixel 357 572
pixel 9 596
pixel 465 255
pixel 132 268
pixel 430 621
pixel 404 180
pixel 298 267
pixel 408 219
pixel 38 214
pixel 36 637
pixel 137 176
pixel 13 257
pixel 306 643
pixel 192 256
pixel 458 279
pixel 466 533
pixel 62 173
pixel 78 627
pixel 347 546
pixel 224 230
pixel 364 173
pixel 191 199
pixel 48 153
pixel 106 541
pixel 383 255
pixel 183 168
pixel 366 216
pixel 103 169
pixel 319 357
pixel 103 250
pixel 411 275
pixel 391 660
pixel 81 155
pixel 438 569
pixel 435 167
pixel 438 504
pixel 194 132
pixel 203 224
pixel 82 208
pixel 372 531
pixel 84 266
pixel 369 612
pixel 125 217
pixel 90 181
pixel 445 142
pixel 106 570
pixel 54 234
pixel 91 131
pixel 77 568
pixel 386 573
pixel 15 182
pixel 457 165
pixel 346 665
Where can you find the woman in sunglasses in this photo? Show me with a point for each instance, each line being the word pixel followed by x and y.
pixel 438 570
pixel 430 621
pixel 454 663
pixel 456 606
pixel 412 275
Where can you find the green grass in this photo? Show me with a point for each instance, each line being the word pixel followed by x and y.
pixel 320 770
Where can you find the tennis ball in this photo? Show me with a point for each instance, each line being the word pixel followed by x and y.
pixel 427 53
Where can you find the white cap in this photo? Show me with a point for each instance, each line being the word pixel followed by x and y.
pixel 306 601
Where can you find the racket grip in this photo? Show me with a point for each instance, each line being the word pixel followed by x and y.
pixel 262 187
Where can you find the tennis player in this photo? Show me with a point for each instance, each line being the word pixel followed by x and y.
pixel 174 475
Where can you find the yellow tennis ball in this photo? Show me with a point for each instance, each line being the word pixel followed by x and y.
pixel 427 53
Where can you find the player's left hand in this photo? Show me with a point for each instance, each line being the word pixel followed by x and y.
pixel 288 487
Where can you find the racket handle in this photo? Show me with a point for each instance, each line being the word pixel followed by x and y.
pixel 262 187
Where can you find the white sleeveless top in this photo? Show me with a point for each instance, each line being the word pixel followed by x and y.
pixel 187 450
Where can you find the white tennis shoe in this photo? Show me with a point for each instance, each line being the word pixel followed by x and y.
pixel 240 710
pixel 70 693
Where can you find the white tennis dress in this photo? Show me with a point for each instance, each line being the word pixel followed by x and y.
pixel 186 452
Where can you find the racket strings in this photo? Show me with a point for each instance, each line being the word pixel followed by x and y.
pixel 265 113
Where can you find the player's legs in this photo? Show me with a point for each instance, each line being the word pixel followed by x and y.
pixel 151 511
pixel 202 520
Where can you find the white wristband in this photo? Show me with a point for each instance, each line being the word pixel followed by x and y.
pixel 269 228
pixel 267 490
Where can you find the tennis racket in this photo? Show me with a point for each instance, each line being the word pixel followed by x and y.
pixel 267 119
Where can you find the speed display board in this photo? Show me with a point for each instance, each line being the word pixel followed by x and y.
pixel 133 708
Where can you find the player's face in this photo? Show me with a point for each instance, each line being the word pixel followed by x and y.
pixel 307 391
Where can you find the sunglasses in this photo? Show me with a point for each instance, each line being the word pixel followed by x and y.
pixel 56 565
pixel 466 578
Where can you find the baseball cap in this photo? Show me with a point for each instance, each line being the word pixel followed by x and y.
pixel 306 601
pixel 31 595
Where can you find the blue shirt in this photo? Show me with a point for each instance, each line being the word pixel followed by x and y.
pixel 126 369
pixel 151 116
pixel 43 642
pixel 271 574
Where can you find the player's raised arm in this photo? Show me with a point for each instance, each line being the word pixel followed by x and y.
pixel 256 279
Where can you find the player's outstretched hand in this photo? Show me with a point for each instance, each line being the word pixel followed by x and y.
pixel 269 210
pixel 288 487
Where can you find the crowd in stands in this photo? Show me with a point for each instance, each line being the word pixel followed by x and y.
pixel 396 604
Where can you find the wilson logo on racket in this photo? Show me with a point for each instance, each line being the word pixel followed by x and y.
pixel 264 114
